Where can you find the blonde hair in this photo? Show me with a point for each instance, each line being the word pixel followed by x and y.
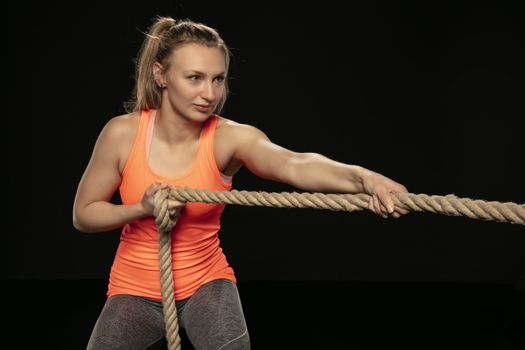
pixel 164 36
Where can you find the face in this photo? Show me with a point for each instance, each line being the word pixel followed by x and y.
pixel 194 81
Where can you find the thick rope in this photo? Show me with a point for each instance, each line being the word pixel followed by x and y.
pixel 448 205
pixel 165 224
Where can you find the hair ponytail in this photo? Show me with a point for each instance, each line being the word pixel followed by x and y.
pixel 147 94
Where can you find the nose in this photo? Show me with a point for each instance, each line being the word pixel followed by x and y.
pixel 208 92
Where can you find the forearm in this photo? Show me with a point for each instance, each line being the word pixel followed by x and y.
pixel 317 173
pixel 103 216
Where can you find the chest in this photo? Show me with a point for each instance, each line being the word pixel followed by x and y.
pixel 177 161
pixel 172 162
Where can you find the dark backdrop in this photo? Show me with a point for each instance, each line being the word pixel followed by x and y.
pixel 428 93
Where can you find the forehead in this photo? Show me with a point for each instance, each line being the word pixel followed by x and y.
pixel 198 57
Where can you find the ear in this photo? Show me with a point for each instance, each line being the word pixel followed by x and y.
pixel 158 75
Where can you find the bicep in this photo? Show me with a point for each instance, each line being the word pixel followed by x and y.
pixel 101 177
pixel 261 156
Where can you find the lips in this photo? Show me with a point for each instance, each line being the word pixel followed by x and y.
pixel 202 108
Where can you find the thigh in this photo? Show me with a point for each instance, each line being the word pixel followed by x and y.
pixel 127 322
pixel 213 317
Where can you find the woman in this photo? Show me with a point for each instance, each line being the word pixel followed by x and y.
pixel 174 137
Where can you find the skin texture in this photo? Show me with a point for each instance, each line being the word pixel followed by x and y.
pixel 195 77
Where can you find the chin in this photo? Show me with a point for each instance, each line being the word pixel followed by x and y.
pixel 198 117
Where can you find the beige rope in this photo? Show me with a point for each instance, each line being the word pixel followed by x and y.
pixel 165 224
pixel 448 205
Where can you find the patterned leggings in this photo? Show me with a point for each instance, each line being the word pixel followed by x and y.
pixel 212 318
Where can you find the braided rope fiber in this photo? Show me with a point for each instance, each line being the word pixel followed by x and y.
pixel 451 205
pixel 165 224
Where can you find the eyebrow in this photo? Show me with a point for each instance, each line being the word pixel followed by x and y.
pixel 201 73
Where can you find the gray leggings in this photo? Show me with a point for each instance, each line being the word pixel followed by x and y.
pixel 212 318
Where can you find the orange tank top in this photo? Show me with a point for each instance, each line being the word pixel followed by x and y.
pixel 197 257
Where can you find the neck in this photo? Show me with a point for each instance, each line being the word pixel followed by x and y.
pixel 174 129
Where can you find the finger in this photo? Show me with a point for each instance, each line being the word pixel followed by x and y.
pixel 161 186
pixel 402 211
pixel 377 210
pixel 377 207
pixel 386 200
pixel 371 204
pixel 154 187
pixel 172 203
pixel 384 211
pixel 173 210
pixel 176 212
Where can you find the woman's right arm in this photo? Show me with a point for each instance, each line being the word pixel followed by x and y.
pixel 92 209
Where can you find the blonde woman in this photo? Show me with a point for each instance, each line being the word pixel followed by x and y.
pixel 174 136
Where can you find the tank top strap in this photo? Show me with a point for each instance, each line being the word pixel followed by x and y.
pixel 137 152
pixel 209 131
pixel 208 139
pixel 208 152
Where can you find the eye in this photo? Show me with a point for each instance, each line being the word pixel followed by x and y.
pixel 194 77
pixel 220 79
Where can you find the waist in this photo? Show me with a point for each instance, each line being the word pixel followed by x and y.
pixel 136 270
pixel 140 246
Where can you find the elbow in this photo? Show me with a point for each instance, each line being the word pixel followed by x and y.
pixel 82 228
pixel 78 224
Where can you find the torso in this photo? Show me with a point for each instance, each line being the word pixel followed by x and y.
pixel 170 162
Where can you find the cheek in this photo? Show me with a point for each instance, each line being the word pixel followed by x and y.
pixel 219 91
pixel 182 92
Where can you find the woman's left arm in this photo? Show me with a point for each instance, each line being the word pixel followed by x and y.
pixel 312 171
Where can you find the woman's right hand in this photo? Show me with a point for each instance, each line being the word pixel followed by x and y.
pixel 148 201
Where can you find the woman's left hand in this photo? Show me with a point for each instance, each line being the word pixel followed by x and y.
pixel 380 188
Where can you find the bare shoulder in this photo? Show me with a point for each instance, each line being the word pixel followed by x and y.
pixel 238 131
pixel 120 132
pixel 123 125
pixel 230 136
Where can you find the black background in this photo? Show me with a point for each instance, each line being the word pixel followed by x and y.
pixel 427 93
